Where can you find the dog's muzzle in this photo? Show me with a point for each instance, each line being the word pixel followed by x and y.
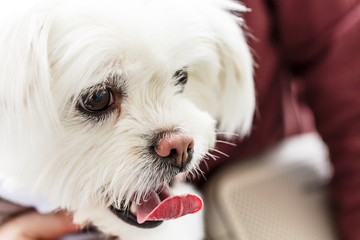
pixel 174 149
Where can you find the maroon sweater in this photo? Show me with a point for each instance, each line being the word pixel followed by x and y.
pixel 315 46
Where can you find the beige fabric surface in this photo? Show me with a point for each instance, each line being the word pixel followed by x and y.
pixel 278 196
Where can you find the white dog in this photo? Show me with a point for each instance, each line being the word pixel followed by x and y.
pixel 103 103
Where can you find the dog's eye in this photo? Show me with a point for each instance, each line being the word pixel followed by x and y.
pixel 181 77
pixel 97 101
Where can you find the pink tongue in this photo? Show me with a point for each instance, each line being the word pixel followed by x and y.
pixel 170 208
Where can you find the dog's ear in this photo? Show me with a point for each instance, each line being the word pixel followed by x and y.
pixel 226 77
pixel 25 82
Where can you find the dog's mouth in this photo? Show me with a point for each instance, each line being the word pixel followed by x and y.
pixel 158 206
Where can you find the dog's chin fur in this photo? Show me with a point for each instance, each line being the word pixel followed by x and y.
pixel 51 52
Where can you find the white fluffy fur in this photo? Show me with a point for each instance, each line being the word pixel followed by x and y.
pixel 50 51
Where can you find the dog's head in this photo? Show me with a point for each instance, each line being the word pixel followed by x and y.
pixel 102 102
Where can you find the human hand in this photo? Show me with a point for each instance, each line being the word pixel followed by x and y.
pixel 36 226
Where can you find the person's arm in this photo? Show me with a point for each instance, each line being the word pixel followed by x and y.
pixel 320 42
pixel 35 226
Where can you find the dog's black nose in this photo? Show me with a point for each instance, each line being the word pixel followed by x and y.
pixel 177 147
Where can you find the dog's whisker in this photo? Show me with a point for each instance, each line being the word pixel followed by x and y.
pixel 212 156
pixel 228 134
pixel 226 142
pixel 207 165
pixel 220 152
pixel 193 173
pixel 199 173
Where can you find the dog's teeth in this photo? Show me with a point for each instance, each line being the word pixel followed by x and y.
pixel 133 208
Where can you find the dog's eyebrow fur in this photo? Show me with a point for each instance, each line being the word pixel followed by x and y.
pixel 181 76
pixel 117 79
